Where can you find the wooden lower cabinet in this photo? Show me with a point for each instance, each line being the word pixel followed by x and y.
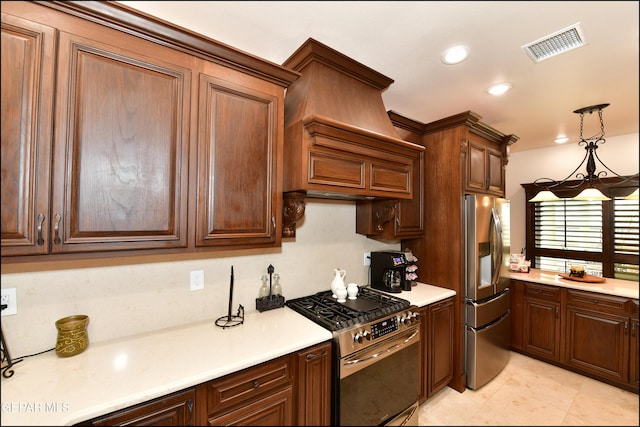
pixel 589 333
pixel 541 334
pixel 437 347
pixel 598 335
pixel 290 390
pixel 314 386
pixel 173 410
pixel 634 372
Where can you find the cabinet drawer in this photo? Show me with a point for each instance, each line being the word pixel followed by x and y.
pixel 391 177
pixel 245 386
pixel 333 169
pixel 548 293
pixel 597 301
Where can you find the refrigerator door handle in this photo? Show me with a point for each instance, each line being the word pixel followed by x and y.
pixel 497 227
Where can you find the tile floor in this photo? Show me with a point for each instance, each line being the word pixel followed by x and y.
pixel 529 392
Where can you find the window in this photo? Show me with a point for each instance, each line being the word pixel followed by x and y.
pixel 602 236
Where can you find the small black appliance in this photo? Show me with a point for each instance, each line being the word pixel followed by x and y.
pixel 388 271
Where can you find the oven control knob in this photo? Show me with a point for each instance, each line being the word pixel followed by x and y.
pixel 358 337
pixel 366 335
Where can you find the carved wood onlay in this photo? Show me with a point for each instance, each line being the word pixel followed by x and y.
pixel 292 212
pixel 385 212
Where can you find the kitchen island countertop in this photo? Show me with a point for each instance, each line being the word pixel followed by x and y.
pixel 617 287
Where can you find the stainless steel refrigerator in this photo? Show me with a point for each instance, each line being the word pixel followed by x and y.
pixel 487 247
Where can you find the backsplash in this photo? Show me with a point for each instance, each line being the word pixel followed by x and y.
pixel 127 296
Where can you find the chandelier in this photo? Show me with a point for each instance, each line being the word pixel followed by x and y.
pixel 591 176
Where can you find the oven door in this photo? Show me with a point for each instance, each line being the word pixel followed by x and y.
pixel 380 382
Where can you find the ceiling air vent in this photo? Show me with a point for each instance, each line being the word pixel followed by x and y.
pixel 554 44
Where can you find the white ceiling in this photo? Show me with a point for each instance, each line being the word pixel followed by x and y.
pixel 404 40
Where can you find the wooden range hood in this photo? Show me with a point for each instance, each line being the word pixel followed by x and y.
pixel 339 142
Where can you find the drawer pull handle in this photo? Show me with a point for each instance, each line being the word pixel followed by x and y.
pixel 595 301
pixel 40 240
pixel 312 356
pixel 256 384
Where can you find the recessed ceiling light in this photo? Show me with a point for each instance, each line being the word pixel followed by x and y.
pixel 561 140
pixel 455 55
pixel 499 88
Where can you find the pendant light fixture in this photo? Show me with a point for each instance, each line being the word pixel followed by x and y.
pixel 591 176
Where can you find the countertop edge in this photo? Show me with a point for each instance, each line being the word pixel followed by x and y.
pixel 615 287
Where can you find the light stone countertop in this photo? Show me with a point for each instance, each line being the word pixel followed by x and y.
pixel 617 287
pixel 424 294
pixel 111 375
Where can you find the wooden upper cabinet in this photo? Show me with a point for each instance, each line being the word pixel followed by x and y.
pixel 27 106
pixel 239 189
pixel 390 220
pixel 124 133
pixel 484 166
pixel 121 144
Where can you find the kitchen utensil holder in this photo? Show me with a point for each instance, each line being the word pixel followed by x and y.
pixel 269 303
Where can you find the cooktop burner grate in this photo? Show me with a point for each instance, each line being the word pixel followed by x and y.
pixel 326 311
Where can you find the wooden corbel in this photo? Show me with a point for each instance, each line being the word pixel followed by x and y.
pixel 292 212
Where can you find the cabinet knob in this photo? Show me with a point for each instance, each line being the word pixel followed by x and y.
pixel 256 384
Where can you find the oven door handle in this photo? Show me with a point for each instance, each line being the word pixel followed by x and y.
pixel 361 360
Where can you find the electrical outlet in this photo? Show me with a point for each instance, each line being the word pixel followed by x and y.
pixel 197 280
pixel 367 258
pixel 9 298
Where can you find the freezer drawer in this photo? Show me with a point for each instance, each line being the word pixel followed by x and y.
pixel 480 313
pixel 487 352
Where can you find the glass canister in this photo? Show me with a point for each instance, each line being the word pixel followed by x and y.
pixel 72 335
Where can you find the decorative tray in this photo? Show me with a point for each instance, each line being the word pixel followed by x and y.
pixel 587 278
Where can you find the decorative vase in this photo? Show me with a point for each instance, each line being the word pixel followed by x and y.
pixel 72 335
pixel 338 282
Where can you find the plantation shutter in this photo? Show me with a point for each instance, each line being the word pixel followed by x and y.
pixel 569 225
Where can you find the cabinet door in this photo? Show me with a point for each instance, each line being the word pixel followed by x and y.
pixel 598 343
pixel 476 167
pixel 495 172
pixel 440 347
pixel 542 328
pixel 27 104
pixel 314 386
pixel 173 410
pixel 239 195
pixel 121 145
pixel 634 372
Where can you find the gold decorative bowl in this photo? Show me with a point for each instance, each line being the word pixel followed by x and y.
pixel 72 335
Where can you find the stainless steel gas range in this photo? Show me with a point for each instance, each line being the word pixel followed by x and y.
pixel 376 356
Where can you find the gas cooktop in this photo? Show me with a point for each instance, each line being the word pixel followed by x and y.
pixel 326 311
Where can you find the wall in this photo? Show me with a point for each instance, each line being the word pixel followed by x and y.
pixel 619 153
pixel 125 296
